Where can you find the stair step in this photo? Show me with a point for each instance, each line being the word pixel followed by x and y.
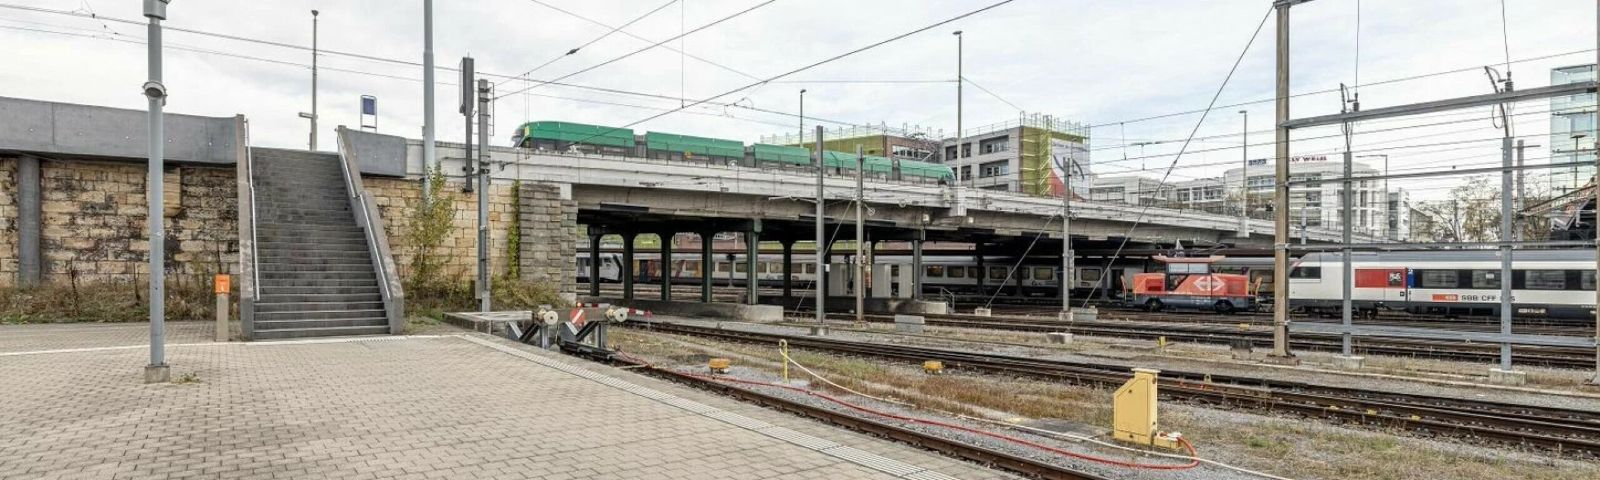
pixel 265 246
pixel 294 275
pixel 263 307
pixel 320 332
pixel 292 256
pixel 311 237
pixel 272 284
pixel 319 297
pixel 347 224
pixel 312 267
pixel 277 291
pixel 263 325
pixel 317 315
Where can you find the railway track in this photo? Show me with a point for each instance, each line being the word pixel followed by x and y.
pixel 1030 467
pixel 1559 430
pixel 1229 332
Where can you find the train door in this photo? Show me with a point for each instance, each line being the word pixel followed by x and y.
pixel 1117 283
pixel 1381 285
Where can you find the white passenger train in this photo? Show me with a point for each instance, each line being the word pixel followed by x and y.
pixel 1544 283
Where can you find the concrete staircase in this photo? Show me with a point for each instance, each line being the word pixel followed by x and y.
pixel 316 270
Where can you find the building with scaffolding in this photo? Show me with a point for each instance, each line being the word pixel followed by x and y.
pixel 1028 155
pixel 1024 155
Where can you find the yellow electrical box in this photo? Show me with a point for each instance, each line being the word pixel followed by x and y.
pixel 719 365
pixel 933 367
pixel 1134 416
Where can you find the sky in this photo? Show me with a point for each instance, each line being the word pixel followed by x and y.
pixel 1107 64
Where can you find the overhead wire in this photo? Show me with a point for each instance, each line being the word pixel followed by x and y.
pixel 645 49
pixel 816 64
pixel 602 36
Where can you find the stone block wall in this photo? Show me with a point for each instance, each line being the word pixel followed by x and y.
pixel 549 227
pixel 8 221
pixel 397 198
pixel 93 215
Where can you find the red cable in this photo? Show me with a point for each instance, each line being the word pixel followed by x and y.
pixel 1185 442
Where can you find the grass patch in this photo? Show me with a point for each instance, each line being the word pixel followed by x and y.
pixel 106 302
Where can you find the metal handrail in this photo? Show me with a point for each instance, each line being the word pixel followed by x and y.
pixel 359 205
pixel 255 245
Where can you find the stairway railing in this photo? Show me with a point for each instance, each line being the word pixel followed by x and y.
pixel 249 255
pixel 371 222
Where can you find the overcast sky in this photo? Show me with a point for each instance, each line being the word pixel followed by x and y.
pixel 1106 63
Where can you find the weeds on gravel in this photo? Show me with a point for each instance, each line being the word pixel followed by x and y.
pixel 189 297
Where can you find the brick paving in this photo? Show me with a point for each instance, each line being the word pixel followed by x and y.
pixel 382 407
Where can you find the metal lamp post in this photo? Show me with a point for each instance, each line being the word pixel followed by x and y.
pixel 802 140
pixel 157 371
pixel 970 174
pixel 1244 177
pixel 313 116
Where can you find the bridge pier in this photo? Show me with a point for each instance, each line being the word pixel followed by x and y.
pixel 706 262
pixel 594 264
pixel 626 273
pixel 916 265
pixel 788 270
pixel 752 244
pixel 983 269
pixel 666 265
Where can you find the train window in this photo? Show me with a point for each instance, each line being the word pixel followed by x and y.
pixel 1485 279
pixel 958 273
pixel 973 272
pixel 998 273
pixel 741 267
pixel 1089 274
pixel 1306 272
pixel 810 268
pixel 1438 279
pixel 1587 280
pixel 1043 273
pixel 1545 280
pixel 934 271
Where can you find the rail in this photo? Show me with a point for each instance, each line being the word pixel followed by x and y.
pixel 1559 429
pixel 255 249
pixel 367 216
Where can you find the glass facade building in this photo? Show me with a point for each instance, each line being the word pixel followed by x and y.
pixel 1572 131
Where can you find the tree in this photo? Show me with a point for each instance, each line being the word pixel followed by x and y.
pixel 1471 213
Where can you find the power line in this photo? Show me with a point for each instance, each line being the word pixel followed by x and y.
pixel 646 40
pixel 596 39
pixel 819 63
pixel 635 52
pixel 992 94
pixel 1476 68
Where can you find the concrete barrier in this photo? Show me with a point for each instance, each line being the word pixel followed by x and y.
pixel 909 323
pixel 729 311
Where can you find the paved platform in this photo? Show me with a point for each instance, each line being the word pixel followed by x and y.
pixel 442 406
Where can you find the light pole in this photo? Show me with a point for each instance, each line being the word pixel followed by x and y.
pixel 802 140
pixel 427 101
pixel 157 371
pixel 970 174
pixel 1244 177
pixel 313 115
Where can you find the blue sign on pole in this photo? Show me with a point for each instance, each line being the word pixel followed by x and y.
pixel 369 110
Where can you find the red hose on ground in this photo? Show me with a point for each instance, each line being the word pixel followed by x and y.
pixel 1005 438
